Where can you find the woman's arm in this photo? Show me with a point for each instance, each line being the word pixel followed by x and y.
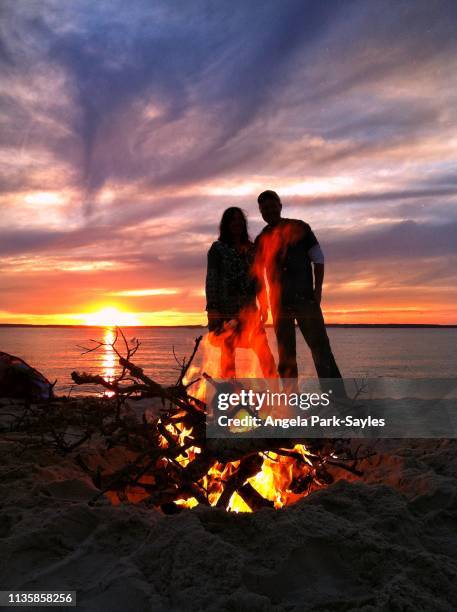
pixel 212 286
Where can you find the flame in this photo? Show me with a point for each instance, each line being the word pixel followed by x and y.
pixel 272 248
pixel 278 472
pixel 237 504
pixel 275 480
pixel 191 502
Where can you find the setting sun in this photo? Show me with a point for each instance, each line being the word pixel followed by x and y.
pixel 110 317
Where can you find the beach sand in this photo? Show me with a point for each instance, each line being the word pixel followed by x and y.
pixel 385 541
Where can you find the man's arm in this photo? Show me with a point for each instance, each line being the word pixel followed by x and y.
pixel 318 281
pixel 317 257
pixel 263 301
pixel 258 270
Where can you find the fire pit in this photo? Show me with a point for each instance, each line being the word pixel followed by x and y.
pixel 176 466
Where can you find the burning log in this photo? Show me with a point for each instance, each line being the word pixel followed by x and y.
pixel 174 465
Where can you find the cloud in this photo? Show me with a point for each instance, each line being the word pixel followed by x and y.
pixel 407 239
pixel 144 292
pixel 216 82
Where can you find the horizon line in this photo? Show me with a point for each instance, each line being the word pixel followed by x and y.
pixel 196 326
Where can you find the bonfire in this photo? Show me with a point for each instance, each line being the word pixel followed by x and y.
pixel 178 466
pixel 171 464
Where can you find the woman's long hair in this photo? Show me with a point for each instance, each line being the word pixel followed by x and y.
pixel 224 230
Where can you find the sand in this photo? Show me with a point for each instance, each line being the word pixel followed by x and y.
pixel 386 541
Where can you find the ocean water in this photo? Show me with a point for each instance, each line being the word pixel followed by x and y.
pixel 360 352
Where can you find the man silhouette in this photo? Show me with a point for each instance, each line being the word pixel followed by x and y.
pixel 288 250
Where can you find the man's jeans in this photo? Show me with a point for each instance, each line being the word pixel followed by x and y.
pixel 311 323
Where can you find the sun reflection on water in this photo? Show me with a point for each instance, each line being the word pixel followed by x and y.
pixel 109 357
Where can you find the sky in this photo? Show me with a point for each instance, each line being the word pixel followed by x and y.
pixel 127 128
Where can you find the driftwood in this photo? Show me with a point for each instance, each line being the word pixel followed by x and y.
pixel 174 464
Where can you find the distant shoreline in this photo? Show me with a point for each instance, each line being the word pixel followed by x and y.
pixel 331 325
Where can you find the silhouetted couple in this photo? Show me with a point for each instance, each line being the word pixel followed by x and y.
pixel 288 252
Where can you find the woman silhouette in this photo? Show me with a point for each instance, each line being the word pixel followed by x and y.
pixel 234 320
